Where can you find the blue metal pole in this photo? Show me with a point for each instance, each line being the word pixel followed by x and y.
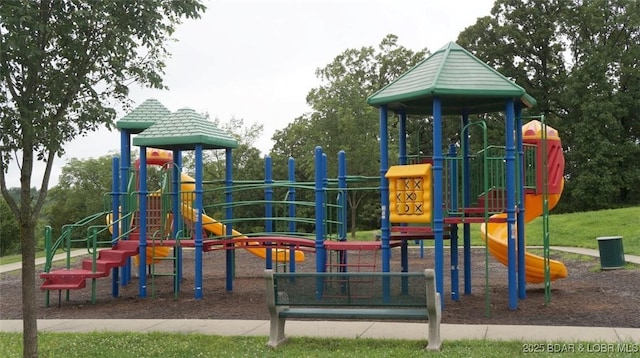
pixel 402 159
pixel 522 282
pixel 438 215
pixel 292 211
pixel 142 269
pixel 321 255
pixel 228 198
pixel 466 201
pixel 342 185
pixel 177 211
pixel 125 164
pixel 384 202
pixel 342 205
pixel 453 233
pixel 198 227
pixel 268 206
pixel 511 203
pixel 115 217
pixel 321 258
pixel 384 190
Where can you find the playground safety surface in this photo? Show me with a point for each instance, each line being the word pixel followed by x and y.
pixel 588 297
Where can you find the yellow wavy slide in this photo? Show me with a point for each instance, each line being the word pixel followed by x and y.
pixel 211 225
pixel 495 234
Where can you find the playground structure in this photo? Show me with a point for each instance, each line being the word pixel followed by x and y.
pixel 454 82
pixel 500 187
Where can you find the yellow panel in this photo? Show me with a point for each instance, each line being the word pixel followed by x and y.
pixel 410 189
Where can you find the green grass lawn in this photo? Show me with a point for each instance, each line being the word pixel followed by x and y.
pixel 574 230
pixel 139 345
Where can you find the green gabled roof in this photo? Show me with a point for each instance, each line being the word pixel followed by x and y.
pixel 143 116
pixel 183 130
pixel 458 78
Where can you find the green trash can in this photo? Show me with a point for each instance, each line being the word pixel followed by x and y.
pixel 611 252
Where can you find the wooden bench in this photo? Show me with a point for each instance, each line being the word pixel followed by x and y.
pixel 353 296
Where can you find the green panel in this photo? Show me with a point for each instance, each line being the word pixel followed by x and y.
pixel 350 289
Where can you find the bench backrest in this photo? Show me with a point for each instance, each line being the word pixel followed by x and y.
pixel 366 289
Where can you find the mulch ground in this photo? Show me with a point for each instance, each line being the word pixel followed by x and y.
pixel 588 297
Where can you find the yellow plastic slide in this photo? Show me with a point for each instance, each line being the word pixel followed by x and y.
pixel 496 236
pixel 219 229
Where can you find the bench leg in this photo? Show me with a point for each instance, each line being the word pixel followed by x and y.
pixel 435 342
pixel 276 331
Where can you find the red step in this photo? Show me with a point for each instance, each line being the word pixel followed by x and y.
pixel 74 279
pixel 102 266
pixel 128 245
pixel 116 255
pixel 71 279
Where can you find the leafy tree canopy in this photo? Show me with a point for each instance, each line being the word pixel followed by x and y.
pixel 63 65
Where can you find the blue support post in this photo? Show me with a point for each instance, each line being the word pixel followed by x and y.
pixel 230 256
pixel 198 224
pixel 115 220
pixel 438 215
pixel 522 281
pixel 384 202
pixel 453 233
pixel 142 256
pixel 511 203
pixel 402 159
pixel 321 255
pixel 342 206
pixel 177 212
pixel 292 211
pixel 268 206
pixel 466 201
pixel 321 258
pixel 125 165
pixel 342 202
pixel 384 190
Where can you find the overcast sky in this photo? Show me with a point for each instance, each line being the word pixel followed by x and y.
pixel 256 59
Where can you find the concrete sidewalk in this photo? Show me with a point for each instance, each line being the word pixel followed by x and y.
pixel 337 329
pixel 41 260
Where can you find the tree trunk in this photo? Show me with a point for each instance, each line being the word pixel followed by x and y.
pixel 29 308
pixel 27 219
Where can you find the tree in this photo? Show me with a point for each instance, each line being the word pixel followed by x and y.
pixel 62 65
pixel 579 60
pixel 602 96
pixel 9 231
pixel 341 119
pixel 80 192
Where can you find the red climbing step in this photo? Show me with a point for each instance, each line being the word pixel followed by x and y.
pixel 76 278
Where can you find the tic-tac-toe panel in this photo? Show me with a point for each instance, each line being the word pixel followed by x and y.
pixel 410 190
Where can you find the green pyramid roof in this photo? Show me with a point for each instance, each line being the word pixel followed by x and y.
pixel 183 130
pixel 458 78
pixel 143 116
